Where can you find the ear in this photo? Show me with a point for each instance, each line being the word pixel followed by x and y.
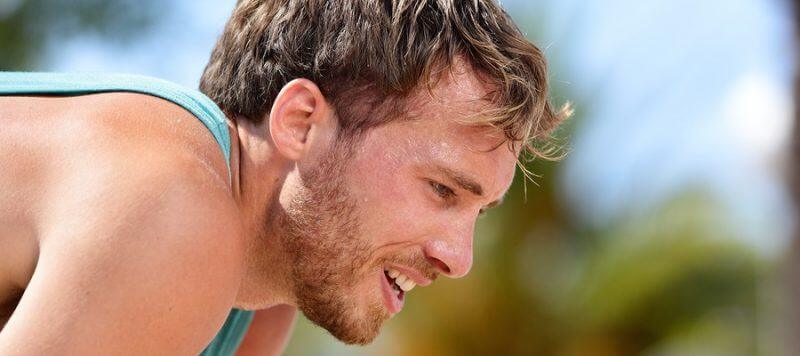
pixel 299 112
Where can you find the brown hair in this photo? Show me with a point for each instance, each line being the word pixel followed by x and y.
pixel 368 55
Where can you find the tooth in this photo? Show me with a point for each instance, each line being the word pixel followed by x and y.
pixel 400 279
pixel 393 273
pixel 407 285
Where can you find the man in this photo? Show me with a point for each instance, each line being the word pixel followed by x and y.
pixel 360 140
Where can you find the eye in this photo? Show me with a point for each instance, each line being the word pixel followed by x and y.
pixel 442 190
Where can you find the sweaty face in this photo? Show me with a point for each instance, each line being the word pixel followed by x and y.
pixel 371 221
pixel 322 237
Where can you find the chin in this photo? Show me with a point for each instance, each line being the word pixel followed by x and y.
pixel 350 319
pixel 360 332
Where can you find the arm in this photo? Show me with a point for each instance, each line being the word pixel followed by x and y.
pixel 270 332
pixel 130 263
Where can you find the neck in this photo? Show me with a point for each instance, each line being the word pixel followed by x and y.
pixel 257 174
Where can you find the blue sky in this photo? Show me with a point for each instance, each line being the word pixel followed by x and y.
pixel 673 94
pixel 683 93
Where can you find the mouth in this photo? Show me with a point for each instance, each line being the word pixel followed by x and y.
pixel 395 285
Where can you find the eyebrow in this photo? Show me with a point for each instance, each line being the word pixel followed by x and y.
pixel 469 184
pixel 463 181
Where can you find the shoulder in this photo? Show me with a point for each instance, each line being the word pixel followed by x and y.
pixel 141 184
pixel 144 160
pixel 140 234
pixel 127 142
pixel 140 251
pixel 140 244
pixel 136 171
pixel 119 125
pixel 141 171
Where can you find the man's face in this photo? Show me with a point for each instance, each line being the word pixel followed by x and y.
pixel 398 208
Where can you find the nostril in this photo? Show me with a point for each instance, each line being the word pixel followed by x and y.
pixel 439 264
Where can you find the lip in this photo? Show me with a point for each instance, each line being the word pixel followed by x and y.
pixel 415 276
pixel 393 304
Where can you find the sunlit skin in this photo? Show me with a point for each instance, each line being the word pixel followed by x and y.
pixel 415 188
pixel 412 207
pixel 417 184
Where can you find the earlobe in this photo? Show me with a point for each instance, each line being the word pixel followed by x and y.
pixel 298 108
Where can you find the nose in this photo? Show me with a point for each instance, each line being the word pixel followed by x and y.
pixel 452 254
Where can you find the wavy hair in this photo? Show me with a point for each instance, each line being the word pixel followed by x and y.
pixel 368 56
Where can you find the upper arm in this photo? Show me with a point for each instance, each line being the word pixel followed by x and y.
pixel 131 262
pixel 269 332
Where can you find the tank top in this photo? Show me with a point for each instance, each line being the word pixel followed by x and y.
pixel 230 336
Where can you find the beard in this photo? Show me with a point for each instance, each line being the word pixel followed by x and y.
pixel 320 232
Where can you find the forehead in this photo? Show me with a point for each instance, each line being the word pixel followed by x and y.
pixel 457 91
pixel 435 132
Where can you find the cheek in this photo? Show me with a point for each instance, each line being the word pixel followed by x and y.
pixel 391 204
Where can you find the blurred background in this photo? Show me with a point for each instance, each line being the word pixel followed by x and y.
pixel 668 228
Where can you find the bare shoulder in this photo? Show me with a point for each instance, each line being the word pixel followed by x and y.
pixel 108 126
pixel 148 123
pixel 140 242
pixel 141 157
pixel 115 149
pixel 150 164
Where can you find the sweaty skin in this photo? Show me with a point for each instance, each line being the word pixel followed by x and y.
pixel 120 234
pixel 104 228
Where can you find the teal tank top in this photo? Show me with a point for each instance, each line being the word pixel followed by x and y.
pixel 230 336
